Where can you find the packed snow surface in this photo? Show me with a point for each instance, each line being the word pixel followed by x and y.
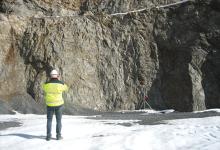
pixel 89 134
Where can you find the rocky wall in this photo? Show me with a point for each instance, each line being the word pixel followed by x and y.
pixel 170 54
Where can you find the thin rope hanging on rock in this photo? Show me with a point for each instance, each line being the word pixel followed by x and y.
pixel 157 7
pixel 114 14
pixel 173 4
pixel 125 13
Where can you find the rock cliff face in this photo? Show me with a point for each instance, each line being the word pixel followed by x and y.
pixel 108 61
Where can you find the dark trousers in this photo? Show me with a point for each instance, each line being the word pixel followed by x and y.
pixel 58 112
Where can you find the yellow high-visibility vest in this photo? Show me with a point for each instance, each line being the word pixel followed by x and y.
pixel 53 92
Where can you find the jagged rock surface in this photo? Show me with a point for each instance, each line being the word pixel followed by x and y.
pixel 171 54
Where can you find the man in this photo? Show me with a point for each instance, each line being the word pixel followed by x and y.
pixel 54 100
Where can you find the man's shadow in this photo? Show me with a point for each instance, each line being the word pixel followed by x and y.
pixel 26 136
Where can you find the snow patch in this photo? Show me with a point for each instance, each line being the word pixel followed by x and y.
pixel 88 134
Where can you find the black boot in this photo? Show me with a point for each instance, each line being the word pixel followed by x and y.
pixel 59 137
pixel 48 138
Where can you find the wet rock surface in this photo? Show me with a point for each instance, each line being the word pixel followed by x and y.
pixel 144 118
pixel 10 124
pixel 141 118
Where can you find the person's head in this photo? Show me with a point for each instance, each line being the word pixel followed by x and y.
pixel 54 74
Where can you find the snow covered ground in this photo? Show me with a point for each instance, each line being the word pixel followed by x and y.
pixel 88 134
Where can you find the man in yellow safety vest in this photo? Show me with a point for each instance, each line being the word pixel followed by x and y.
pixel 53 90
